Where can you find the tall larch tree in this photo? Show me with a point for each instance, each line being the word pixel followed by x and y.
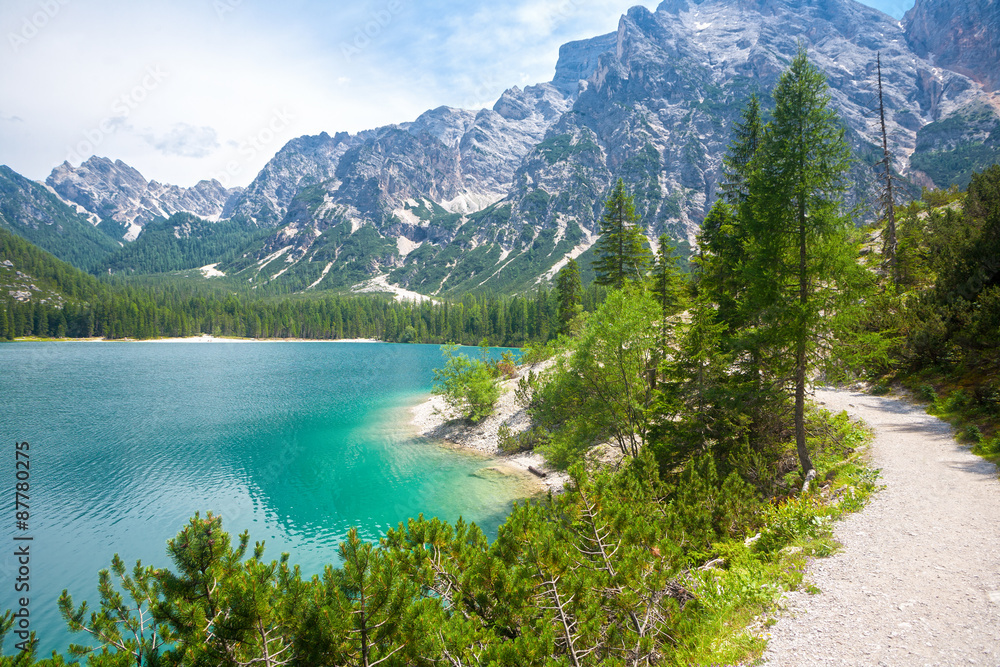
pixel 801 268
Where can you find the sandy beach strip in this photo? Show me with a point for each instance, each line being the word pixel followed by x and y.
pixel 204 338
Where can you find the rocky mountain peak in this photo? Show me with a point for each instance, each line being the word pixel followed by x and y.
pixel 578 61
pixel 118 193
pixel 960 36
pixel 499 198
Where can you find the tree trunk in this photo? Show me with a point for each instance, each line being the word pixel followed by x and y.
pixel 800 348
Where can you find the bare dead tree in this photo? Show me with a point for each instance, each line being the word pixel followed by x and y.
pixel 887 204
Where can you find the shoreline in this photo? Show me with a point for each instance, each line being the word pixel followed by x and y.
pixel 433 420
pixel 204 338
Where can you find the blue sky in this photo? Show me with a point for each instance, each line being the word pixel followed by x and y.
pixel 190 89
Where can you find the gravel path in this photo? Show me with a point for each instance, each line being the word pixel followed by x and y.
pixel 918 579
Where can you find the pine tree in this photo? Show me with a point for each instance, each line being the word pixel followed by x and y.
pixel 621 254
pixel 373 592
pixel 570 295
pixel 668 287
pixel 723 234
pixel 802 266
pixel 736 164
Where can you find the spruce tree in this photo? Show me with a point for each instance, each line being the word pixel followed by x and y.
pixel 723 233
pixel 668 286
pixel 736 164
pixel 621 255
pixel 570 295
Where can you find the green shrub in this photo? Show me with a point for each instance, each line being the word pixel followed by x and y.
pixel 468 385
pixel 797 517
pixel 956 401
pixel 926 393
pixel 988 396
pixel 971 433
pixel 525 392
pixel 535 353
pixel 987 447
pixel 525 441
pixel 506 366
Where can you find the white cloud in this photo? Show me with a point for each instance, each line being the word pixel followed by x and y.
pixel 228 72
pixel 185 140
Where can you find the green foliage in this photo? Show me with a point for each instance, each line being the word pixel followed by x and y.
pixel 802 271
pixel 621 254
pixel 467 385
pixel 738 160
pixel 30 211
pixel 927 393
pixel 26 647
pixel 952 149
pixel 987 447
pixel 509 443
pixel 129 628
pixel 183 241
pixel 73 304
pixel 535 353
pixel 972 434
pixel 957 166
pixel 669 288
pixel 560 147
pixel 603 391
pixel 624 566
pixel 570 296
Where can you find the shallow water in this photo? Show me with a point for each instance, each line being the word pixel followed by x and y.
pixel 296 442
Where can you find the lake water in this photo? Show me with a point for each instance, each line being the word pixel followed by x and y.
pixel 296 442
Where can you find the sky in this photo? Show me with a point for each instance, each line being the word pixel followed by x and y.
pixel 185 90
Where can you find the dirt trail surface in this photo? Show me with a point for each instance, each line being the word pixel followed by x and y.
pixel 918 579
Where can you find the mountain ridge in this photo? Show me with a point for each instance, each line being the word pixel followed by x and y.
pixel 498 198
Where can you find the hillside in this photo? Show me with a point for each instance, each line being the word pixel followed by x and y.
pixel 32 212
pixel 498 199
pixel 652 102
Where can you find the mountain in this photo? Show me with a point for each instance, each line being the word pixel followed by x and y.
pixel 29 274
pixel 495 199
pixel 960 36
pixel 499 199
pixel 182 241
pixel 950 150
pixel 34 213
pixel 124 201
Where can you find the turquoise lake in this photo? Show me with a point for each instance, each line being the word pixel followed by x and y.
pixel 295 442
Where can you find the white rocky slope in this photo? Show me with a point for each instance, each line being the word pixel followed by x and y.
pixel 652 102
pixel 114 191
